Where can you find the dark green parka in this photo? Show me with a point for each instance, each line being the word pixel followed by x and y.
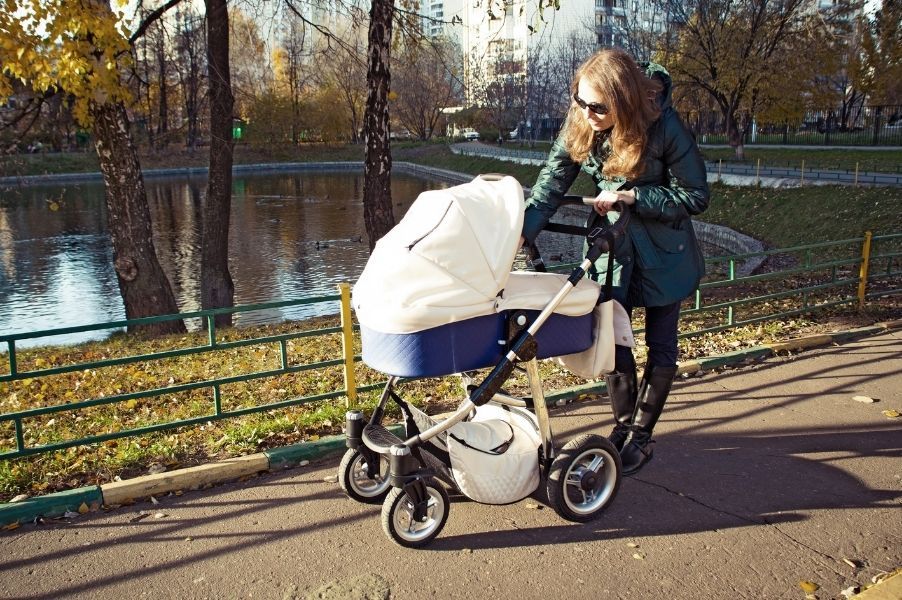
pixel 659 261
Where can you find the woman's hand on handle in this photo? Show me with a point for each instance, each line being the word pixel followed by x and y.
pixel 606 200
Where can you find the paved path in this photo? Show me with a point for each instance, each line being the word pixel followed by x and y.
pixel 763 476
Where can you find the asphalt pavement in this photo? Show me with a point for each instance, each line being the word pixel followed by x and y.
pixel 764 477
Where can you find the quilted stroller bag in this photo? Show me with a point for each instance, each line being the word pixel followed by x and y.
pixel 495 456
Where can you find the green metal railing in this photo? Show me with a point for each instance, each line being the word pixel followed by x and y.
pixel 844 280
pixel 843 271
pixel 214 386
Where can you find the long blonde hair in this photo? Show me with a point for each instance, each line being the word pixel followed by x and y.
pixel 630 95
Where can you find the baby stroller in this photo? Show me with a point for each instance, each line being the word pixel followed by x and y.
pixel 437 297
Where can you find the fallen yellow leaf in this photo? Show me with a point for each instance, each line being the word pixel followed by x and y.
pixel 11 526
pixel 891 414
pixel 83 508
pixel 809 587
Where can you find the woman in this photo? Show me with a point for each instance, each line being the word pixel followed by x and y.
pixel 622 131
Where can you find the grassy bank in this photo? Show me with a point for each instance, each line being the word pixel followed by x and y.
pixel 880 161
pixel 780 217
pixel 887 160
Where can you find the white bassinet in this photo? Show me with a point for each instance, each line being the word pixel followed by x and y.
pixel 436 293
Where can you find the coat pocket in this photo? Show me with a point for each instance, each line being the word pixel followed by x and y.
pixel 668 239
pixel 657 244
pixel 647 256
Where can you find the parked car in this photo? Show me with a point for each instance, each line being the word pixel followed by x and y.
pixel 471 135
pixel 401 134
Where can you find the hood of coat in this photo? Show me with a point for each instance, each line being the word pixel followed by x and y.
pixel 656 71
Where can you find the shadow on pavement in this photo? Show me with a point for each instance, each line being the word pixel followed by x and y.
pixel 713 482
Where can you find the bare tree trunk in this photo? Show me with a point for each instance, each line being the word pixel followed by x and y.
pixel 734 134
pixel 217 288
pixel 377 205
pixel 144 287
pixel 163 124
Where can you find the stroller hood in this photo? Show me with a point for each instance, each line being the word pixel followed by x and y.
pixel 446 260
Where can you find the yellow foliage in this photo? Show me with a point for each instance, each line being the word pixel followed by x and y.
pixel 78 47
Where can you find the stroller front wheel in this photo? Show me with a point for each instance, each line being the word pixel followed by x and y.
pixel 356 482
pixel 398 516
pixel 584 478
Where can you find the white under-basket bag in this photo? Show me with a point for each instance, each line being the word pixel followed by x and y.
pixel 495 456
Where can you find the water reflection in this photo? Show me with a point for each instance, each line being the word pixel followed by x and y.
pixel 292 235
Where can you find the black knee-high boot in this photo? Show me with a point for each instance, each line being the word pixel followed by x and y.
pixel 622 391
pixel 652 394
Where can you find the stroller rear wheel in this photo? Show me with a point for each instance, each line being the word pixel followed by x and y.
pixel 584 478
pixel 355 481
pixel 400 523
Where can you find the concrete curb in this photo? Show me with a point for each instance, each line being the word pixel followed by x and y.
pixel 51 505
pixel 887 589
pixel 139 488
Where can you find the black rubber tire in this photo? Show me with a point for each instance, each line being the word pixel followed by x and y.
pixel 397 512
pixel 584 478
pixel 353 479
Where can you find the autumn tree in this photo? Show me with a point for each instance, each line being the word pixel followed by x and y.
pixel 833 47
pixel 498 86
pixel 879 65
pixel 250 69
pixel 549 71
pixel 340 73
pixel 740 53
pixel 152 70
pixel 427 79
pixel 290 75
pixel 79 47
pixel 190 63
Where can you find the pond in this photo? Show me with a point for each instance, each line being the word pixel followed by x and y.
pixel 292 235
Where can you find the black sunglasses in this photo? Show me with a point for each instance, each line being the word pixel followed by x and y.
pixel 596 107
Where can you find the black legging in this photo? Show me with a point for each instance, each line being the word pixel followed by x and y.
pixel 660 337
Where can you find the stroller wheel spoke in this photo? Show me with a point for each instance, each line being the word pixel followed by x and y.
pixel 398 516
pixel 354 478
pixel 584 478
pixel 596 464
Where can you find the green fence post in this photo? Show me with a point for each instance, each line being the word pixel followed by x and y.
pixel 347 343
pixel 11 344
pixel 863 272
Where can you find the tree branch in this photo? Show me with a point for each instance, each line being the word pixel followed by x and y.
pixel 152 18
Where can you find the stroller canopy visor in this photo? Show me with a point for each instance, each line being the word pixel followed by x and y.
pixel 446 260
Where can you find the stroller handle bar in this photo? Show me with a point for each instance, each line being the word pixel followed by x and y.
pixel 579 200
pixel 600 237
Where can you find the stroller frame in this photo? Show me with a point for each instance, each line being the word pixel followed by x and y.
pixel 407 475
